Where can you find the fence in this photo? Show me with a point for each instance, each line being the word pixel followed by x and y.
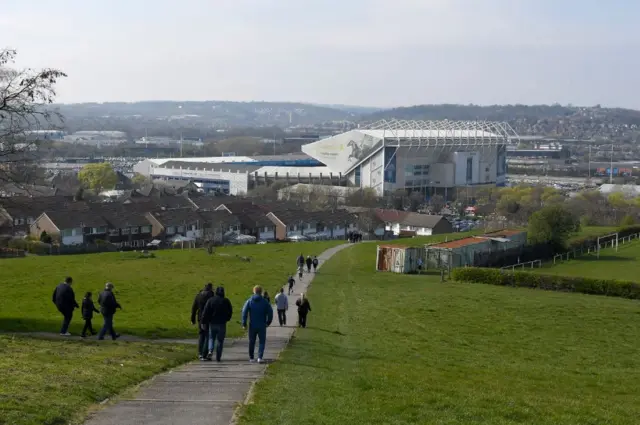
pixel 609 241
pixel 528 264
pixel 12 253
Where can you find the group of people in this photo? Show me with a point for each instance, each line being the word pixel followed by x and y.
pixel 65 301
pixel 211 310
pixel 354 237
pixel 309 262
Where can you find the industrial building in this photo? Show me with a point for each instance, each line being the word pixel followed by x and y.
pixel 426 156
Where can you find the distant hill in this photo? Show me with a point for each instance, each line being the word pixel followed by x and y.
pixel 353 109
pixel 210 113
pixel 622 125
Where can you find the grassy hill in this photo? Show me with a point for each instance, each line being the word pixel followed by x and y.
pixel 383 348
pixel 156 293
pixel 621 265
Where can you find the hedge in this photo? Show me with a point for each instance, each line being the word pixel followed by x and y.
pixel 584 285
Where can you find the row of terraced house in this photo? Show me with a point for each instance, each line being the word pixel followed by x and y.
pixel 136 221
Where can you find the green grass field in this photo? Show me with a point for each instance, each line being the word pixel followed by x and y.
pixel 155 293
pixel 622 265
pixel 392 349
pixel 54 382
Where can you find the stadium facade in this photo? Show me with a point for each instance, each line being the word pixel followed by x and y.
pixel 426 156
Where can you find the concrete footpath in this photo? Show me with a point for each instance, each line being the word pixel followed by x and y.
pixel 206 392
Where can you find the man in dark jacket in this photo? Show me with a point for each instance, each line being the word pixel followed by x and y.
pixel 65 300
pixel 108 306
pixel 303 310
pixel 217 312
pixel 309 263
pixel 196 312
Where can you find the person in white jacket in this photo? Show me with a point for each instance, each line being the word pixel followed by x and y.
pixel 282 305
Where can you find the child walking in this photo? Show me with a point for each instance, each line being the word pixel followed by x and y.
pixel 87 314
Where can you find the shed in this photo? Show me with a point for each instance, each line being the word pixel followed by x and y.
pixel 475 250
pixel 398 258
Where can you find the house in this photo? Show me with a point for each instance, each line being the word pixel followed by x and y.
pixel 253 219
pixel 30 190
pixel 209 202
pixel 167 224
pixel 160 202
pixel 73 226
pixel 17 213
pixel 408 223
pixel 218 224
pixel 128 224
pixel 332 225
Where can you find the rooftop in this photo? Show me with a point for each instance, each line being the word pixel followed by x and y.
pixel 445 129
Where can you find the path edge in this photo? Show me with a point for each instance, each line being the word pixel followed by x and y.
pixel 248 399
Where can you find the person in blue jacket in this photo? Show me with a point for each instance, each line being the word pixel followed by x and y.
pixel 260 314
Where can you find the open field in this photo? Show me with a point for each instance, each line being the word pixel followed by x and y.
pixel 155 293
pixel 392 349
pixel 421 240
pixel 621 265
pixel 594 231
pixel 55 382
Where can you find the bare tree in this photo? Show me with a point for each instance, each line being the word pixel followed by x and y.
pixel 25 96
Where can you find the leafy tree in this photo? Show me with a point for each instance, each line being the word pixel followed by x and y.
pixel 140 180
pixel 24 99
pixel 45 238
pixel 98 177
pixel 553 225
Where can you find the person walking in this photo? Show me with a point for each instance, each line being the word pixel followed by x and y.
pixel 282 305
pixel 291 282
pixel 315 263
pixel 88 308
pixel 260 315
pixel 300 261
pixel 300 271
pixel 196 313
pixel 65 300
pixel 108 306
pixel 309 263
pixel 267 296
pixel 303 309
pixel 217 312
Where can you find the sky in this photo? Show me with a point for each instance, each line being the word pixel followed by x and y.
pixel 352 52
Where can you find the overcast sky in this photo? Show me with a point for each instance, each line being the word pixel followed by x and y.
pixel 358 52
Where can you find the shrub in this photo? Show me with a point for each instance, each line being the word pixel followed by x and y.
pixel 628 220
pixel 584 285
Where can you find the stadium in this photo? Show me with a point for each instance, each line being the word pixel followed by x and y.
pixel 426 156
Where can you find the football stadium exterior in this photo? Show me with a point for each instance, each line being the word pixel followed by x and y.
pixel 427 156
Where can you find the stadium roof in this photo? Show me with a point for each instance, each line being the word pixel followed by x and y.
pixel 406 129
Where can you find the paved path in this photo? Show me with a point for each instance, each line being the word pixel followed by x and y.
pixel 205 392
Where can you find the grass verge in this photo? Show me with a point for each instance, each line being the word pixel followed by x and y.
pixel 622 265
pixel 391 349
pixel 48 382
pixel 156 293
